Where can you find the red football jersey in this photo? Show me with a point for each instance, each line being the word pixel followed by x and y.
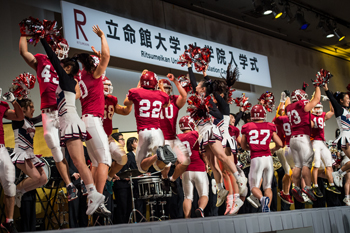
pixel 48 81
pixel 110 103
pixel 3 108
pixel 298 118
pixel 92 98
pixel 233 131
pixel 168 119
pixel 258 137
pixel 148 105
pixel 317 132
pixel 284 130
pixel 190 141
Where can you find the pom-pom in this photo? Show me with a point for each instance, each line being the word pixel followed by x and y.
pixel 22 84
pixel 199 107
pixel 230 99
pixel 242 102
pixel 267 99
pixel 322 78
pixel 200 57
pixel 185 83
pixel 34 29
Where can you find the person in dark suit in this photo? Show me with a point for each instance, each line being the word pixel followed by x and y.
pixel 77 207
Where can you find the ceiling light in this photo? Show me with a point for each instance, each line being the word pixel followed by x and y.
pixel 338 33
pixel 301 20
pixel 277 12
pixel 326 27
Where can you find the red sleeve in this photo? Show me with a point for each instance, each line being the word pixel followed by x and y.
pixel 272 127
pixel 303 103
pixel 5 104
pixel 244 129
pixel 165 96
pixel 131 94
pixel 115 100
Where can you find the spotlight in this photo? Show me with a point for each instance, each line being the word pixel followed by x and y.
pixel 338 33
pixel 268 7
pixel 301 20
pixel 276 11
pixel 327 28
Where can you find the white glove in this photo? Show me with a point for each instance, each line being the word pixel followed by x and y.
pixel 324 98
pixel 9 97
pixel 213 186
pixel 283 97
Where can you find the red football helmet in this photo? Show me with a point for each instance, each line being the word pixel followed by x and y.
pixel 319 111
pixel 62 50
pixel 298 94
pixel 107 84
pixel 186 122
pixel 166 84
pixel 258 112
pixel 148 80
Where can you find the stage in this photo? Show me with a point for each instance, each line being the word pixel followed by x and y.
pixel 322 220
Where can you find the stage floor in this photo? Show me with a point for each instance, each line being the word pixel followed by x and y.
pixel 322 220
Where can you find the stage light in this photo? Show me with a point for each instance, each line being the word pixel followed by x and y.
pixel 338 33
pixel 301 20
pixel 326 27
pixel 276 11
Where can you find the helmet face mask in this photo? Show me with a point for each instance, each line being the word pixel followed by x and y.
pixel 298 94
pixel 62 50
pixel 186 123
pixel 318 109
pixel 258 113
pixel 107 86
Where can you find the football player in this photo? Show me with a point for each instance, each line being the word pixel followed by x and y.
pixel 148 103
pixel 7 170
pixel 48 82
pixel 92 101
pixel 195 175
pixel 321 151
pixel 116 149
pixel 168 119
pixel 256 137
pixel 299 117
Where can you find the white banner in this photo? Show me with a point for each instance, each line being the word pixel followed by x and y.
pixel 141 42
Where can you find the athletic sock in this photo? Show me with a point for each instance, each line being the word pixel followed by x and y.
pixel 315 185
pixel 70 184
pixel 236 175
pixel 331 184
pixel 171 179
pixel 8 220
pixel 90 188
pixel 220 186
pixel 236 195
pixel 109 178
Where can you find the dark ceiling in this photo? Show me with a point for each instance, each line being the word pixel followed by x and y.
pixel 243 13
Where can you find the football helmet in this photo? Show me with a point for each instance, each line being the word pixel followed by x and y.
pixel 96 60
pixel 62 50
pixel 298 94
pixel 319 110
pixel 186 122
pixel 107 84
pixel 166 84
pixel 258 112
pixel 148 80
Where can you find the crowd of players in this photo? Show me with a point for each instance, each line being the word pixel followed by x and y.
pixel 208 138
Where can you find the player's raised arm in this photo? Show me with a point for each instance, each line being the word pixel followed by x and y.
pixel 27 56
pixel 105 55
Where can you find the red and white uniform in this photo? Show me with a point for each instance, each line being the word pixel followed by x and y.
pixel 168 121
pixel 148 105
pixel 117 151
pixel 48 83
pixel 93 106
pixel 258 136
pixel 284 132
pixel 7 169
pixel 321 151
pixel 300 143
pixel 195 175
